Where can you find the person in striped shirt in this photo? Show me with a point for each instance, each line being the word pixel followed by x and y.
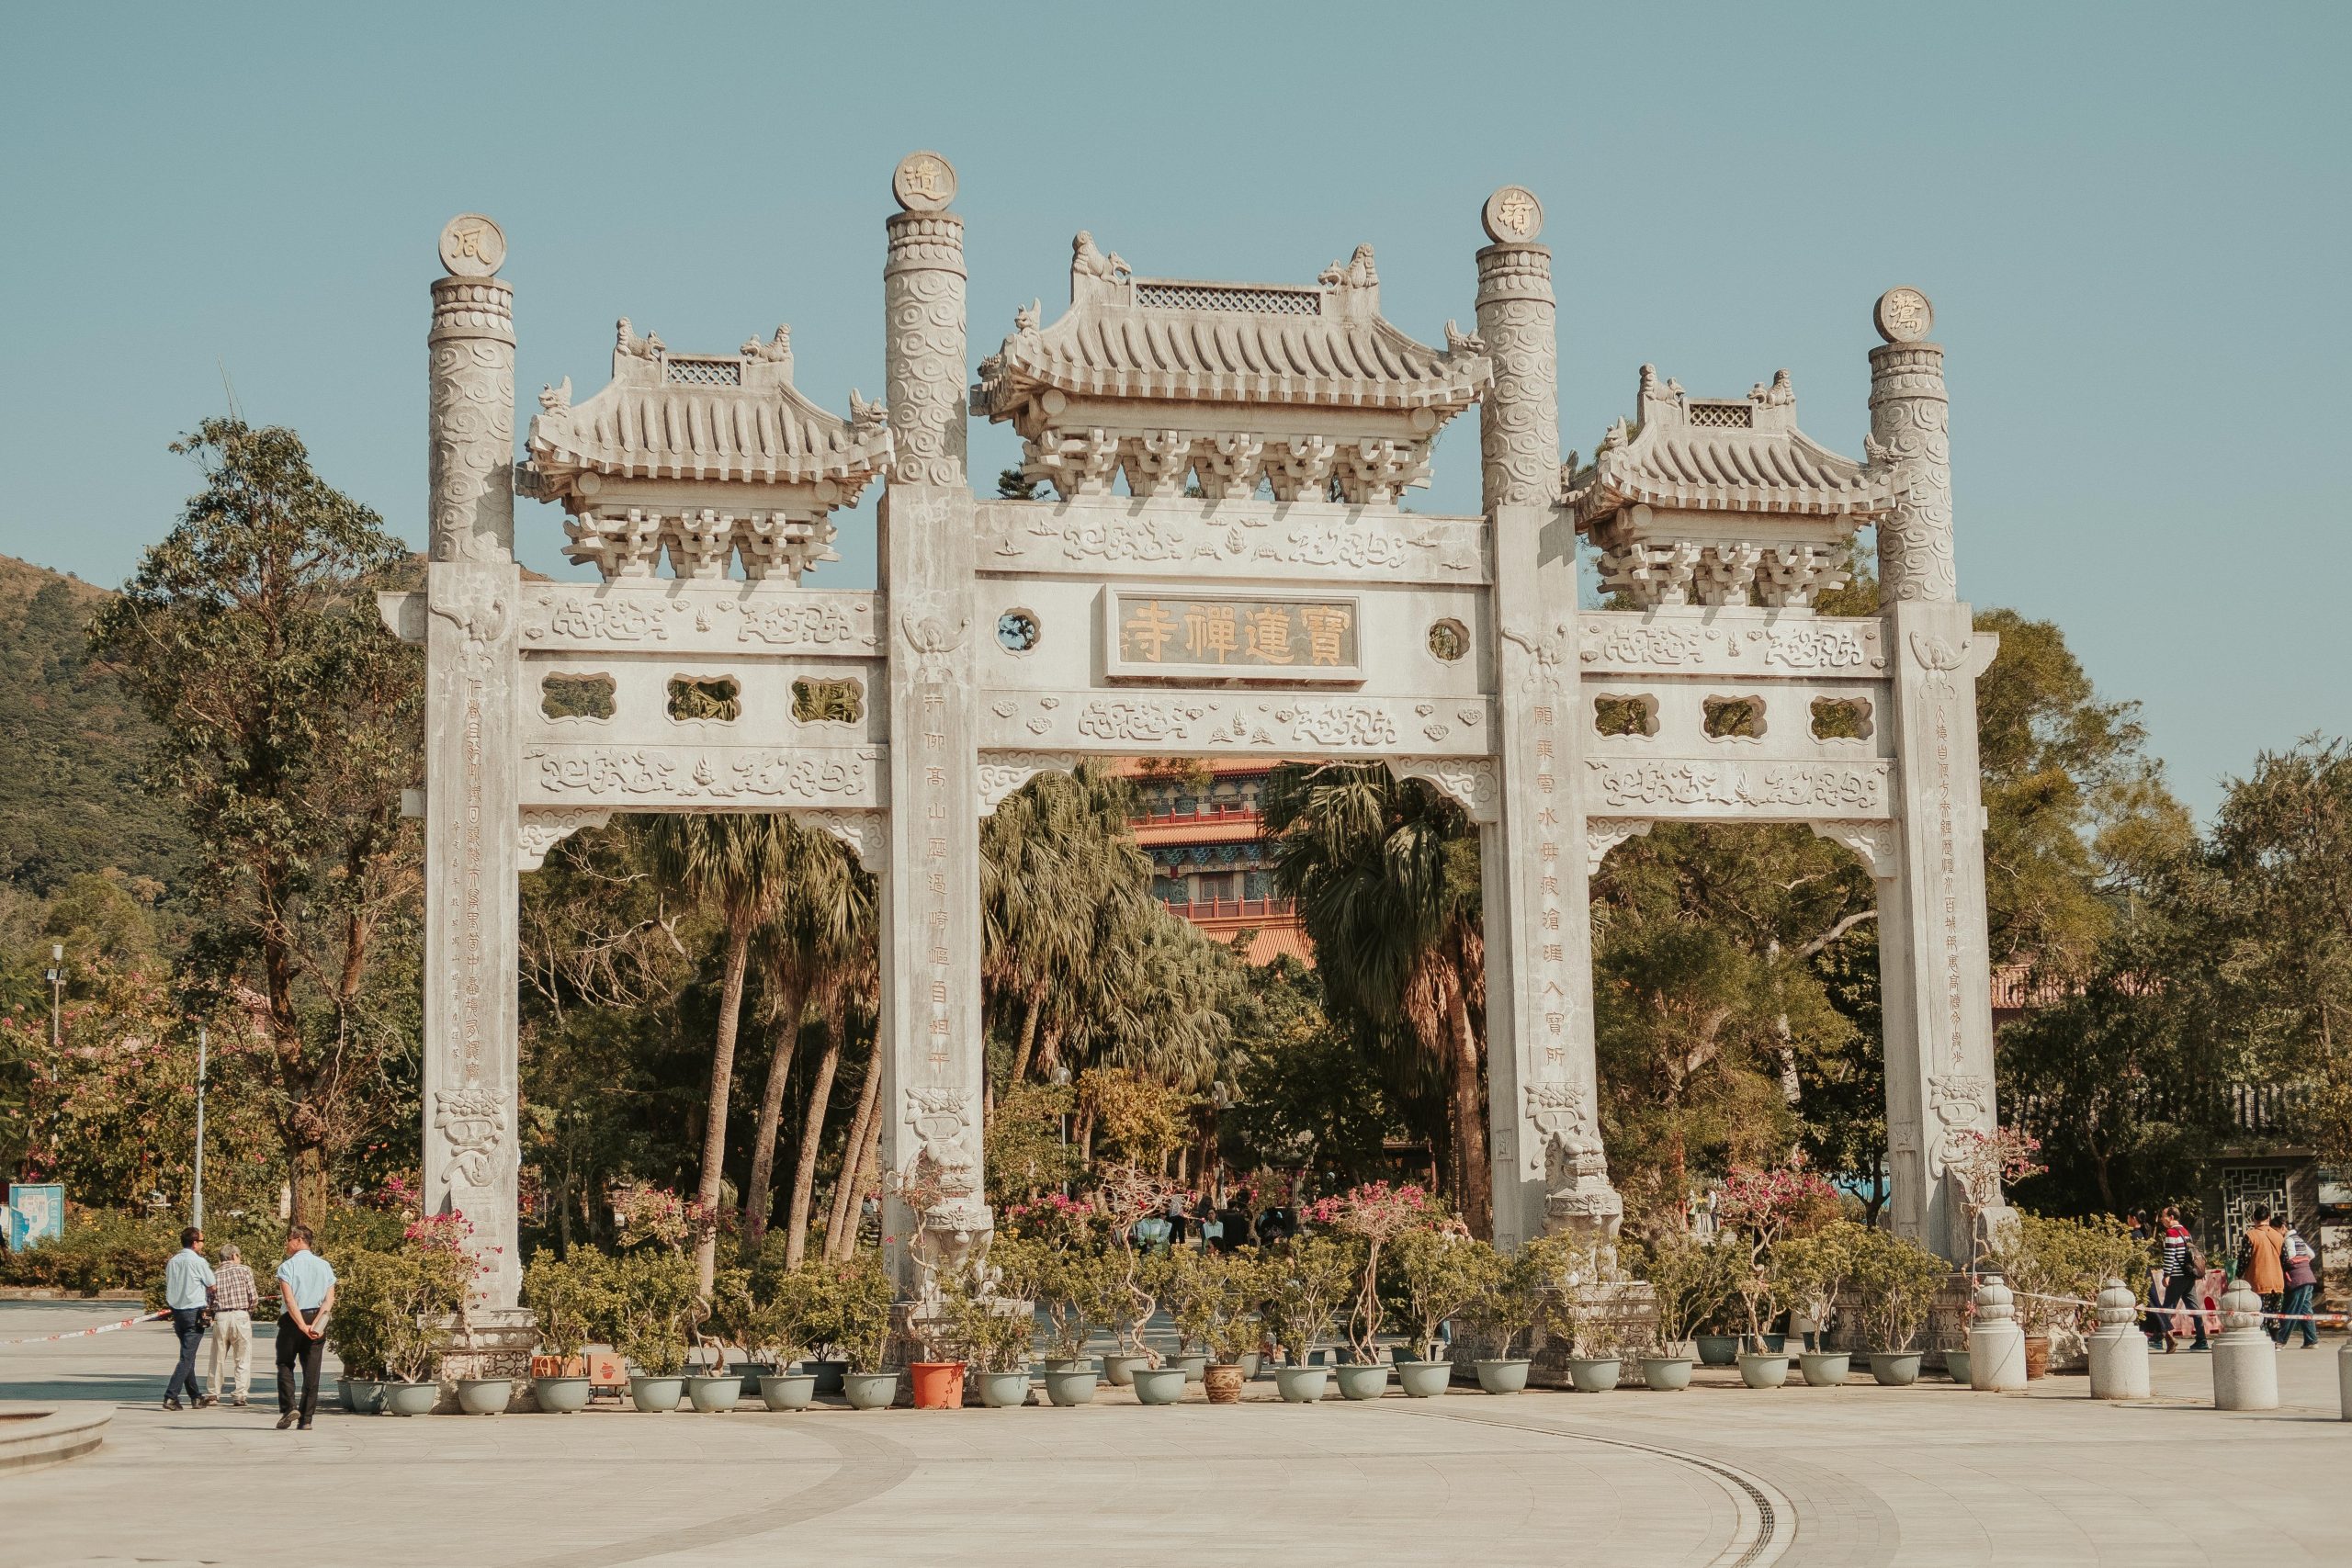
pixel 234 1296
pixel 2184 1266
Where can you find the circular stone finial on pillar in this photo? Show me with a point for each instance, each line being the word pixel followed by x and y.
pixel 472 246
pixel 1902 315
pixel 1512 216
pixel 923 182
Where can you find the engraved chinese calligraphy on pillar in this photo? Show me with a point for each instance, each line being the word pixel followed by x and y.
pixel 1909 418
pixel 930 1029
pixel 1935 969
pixel 471 760
pixel 1543 1094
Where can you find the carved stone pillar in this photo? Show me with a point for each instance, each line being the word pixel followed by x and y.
pixel 1935 975
pixel 470 755
pixel 1909 424
pixel 1543 1094
pixel 930 1030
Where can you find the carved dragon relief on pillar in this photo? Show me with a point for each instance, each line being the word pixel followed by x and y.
pixel 1909 436
pixel 471 352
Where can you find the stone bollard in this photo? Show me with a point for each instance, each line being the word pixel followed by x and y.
pixel 2119 1349
pixel 2344 1378
pixel 2245 1362
pixel 1995 1342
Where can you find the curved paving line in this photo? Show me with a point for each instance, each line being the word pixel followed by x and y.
pixel 1768 1520
pixel 869 1467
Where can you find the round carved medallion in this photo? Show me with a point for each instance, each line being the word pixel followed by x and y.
pixel 1902 315
pixel 923 182
pixel 1512 215
pixel 472 246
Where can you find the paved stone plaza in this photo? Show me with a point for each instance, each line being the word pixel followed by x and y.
pixel 1864 1476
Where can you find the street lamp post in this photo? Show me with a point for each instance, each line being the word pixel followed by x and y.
pixel 196 1204
pixel 56 991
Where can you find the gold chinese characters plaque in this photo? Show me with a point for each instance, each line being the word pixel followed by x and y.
pixel 1262 638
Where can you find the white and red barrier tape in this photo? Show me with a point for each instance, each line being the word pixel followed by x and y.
pixel 85 1332
pixel 2213 1313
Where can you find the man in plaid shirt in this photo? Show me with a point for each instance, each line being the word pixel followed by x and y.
pixel 234 1296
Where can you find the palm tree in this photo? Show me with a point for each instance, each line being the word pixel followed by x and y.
pixel 1061 883
pixel 1386 872
pixel 853 981
pixel 828 910
pixel 740 863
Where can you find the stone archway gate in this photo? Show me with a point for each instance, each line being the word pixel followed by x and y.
pixel 1185 613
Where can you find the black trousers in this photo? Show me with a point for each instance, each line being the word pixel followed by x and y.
pixel 2176 1293
pixel 293 1345
pixel 189 1324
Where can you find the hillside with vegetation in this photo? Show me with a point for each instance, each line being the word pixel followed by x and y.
pixel 72 802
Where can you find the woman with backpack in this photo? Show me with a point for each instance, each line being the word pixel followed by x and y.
pixel 2184 1266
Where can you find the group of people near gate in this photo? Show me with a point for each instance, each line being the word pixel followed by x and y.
pixel 2185 1293
pixel 199 1297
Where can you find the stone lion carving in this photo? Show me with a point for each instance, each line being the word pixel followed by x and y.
pixel 953 1225
pixel 1581 1203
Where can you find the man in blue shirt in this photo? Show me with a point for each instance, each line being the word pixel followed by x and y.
pixel 188 1292
pixel 308 1283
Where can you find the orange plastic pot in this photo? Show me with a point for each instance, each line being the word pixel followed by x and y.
pixel 938 1386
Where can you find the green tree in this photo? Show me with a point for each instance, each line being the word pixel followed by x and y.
pixel 827 912
pixel 1385 871
pixel 2282 846
pixel 289 723
pixel 740 866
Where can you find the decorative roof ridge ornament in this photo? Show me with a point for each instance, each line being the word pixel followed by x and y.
pixel 702 418
pixel 1202 341
pixel 1694 454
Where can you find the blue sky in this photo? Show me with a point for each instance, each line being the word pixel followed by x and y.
pixel 2132 220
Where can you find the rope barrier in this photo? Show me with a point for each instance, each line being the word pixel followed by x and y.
pixel 85 1332
pixel 2213 1313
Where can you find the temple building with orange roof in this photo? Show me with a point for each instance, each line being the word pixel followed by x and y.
pixel 1200 822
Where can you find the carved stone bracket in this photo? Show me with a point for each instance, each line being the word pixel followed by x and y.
pixel 1873 842
pixel 1472 780
pixel 1002 773
pixel 865 832
pixel 541 828
pixel 1603 834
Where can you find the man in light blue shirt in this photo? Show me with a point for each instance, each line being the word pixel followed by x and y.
pixel 188 1292
pixel 307 1282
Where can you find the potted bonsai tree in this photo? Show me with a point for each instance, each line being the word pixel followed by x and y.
pixel 1763 1207
pixel 1897 1279
pixel 1129 1196
pixel 565 1295
pixel 787 1316
pixel 1444 1272
pixel 1226 1319
pixel 991 1332
pixel 862 1331
pixel 654 1291
pixel 1187 1284
pixel 357 1328
pixel 1517 1304
pixel 1304 1281
pixel 1813 1270
pixel 1693 1282
pixel 1374 1214
pixel 716 1323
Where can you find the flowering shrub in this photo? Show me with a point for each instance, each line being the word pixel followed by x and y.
pixel 1376 1213
pixel 1765 1206
pixel 645 1212
pixel 1985 1164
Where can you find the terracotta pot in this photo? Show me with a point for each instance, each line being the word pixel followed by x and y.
pixel 2037 1356
pixel 1224 1384
pixel 938 1386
